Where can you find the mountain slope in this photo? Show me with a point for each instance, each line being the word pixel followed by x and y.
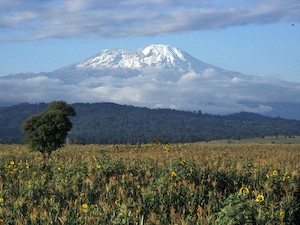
pixel 113 123
pixel 154 61
pixel 158 76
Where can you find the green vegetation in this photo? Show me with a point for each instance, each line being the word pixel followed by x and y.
pixel 196 183
pixel 48 131
pixel 109 123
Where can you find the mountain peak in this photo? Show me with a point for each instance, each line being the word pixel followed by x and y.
pixel 165 53
pixel 152 55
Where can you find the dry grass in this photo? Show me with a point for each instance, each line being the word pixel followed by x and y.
pixel 195 183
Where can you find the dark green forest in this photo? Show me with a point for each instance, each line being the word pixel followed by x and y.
pixel 110 123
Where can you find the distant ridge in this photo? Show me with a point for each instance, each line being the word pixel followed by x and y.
pixel 156 76
pixel 113 123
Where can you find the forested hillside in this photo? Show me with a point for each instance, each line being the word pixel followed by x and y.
pixel 113 123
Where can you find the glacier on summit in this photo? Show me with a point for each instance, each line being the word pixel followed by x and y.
pixel 149 56
pixel 158 76
pixel 158 62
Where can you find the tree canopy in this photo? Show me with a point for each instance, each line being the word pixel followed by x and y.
pixel 48 130
pixel 109 123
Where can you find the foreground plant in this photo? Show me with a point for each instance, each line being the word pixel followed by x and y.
pixel 146 185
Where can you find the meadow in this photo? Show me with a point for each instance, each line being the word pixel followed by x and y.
pixel 198 183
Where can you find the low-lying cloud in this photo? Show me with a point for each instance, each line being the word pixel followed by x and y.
pixel 190 92
pixel 35 19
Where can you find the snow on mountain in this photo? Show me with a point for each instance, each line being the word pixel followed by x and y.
pixel 164 55
pixel 154 56
pixel 156 76
pixel 157 62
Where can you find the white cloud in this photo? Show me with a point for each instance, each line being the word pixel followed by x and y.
pixel 189 77
pixel 208 72
pixel 212 90
pixel 35 19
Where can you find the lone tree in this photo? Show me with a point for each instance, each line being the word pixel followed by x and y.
pixel 48 130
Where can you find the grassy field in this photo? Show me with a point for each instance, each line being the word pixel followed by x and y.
pixel 199 183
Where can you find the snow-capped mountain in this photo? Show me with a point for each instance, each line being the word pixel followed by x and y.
pixel 156 76
pixel 167 56
pixel 158 62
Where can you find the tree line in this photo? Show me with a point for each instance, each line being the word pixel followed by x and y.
pixel 109 123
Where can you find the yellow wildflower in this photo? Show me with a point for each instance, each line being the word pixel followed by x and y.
pixel 244 191
pixel 260 198
pixel 281 215
pixel 173 174
pixel 275 173
pixel 85 207
pixel 1 200
pixel 98 166
pixel 12 162
pixel 59 169
pixel 117 202
pixel 285 177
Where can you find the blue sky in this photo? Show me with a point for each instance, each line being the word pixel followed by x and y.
pixel 259 37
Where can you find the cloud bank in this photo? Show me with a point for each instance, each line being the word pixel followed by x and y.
pixel 39 19
pixel 155 77
pixel 193 92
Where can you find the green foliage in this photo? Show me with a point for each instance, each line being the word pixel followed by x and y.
pixel 236 210
pixel 47 131
pixel 109 123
